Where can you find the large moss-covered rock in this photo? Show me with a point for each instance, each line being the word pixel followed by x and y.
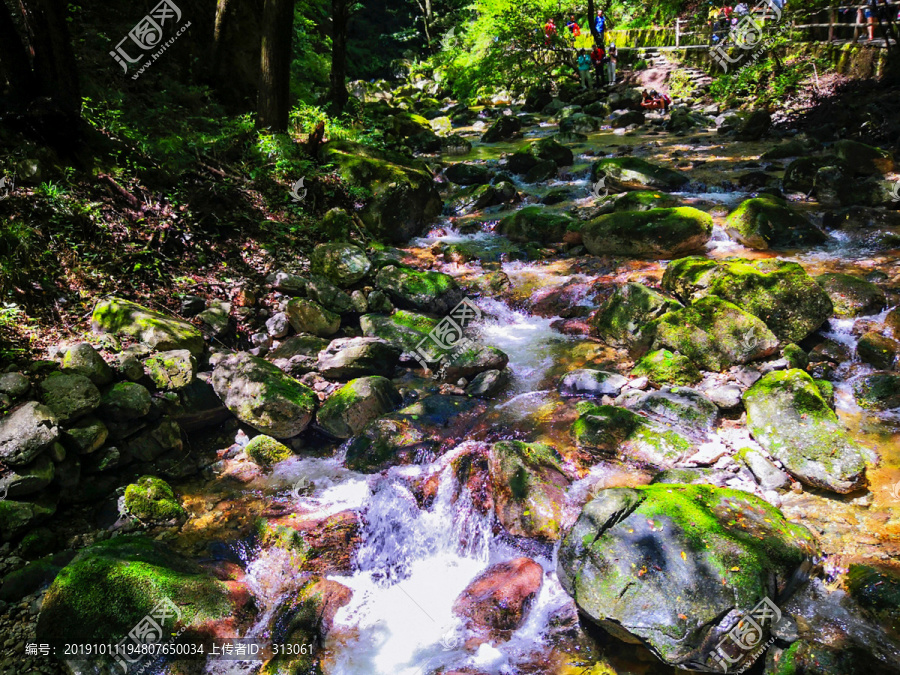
pixel 504 129
pixel 621 319
pixel 675 566
pixel 767 221
pixel 477 197
pixel 28 478
pixel 261 395
pixel 636 173
pixel 26 432
pixel 342 264
pixel 18 516
pixel 638 200
pixel 863 159
pixel 110 587
pixel 404 196
pixel 609 431
pixel 852 296
pixel 878 391
pixel 86 436
pixel 780 293
pixel 70 396
pixel 151 499
pixel 401 329
pixel 800 175
pixel 125 401
pixel 536 224
pixel 172 370
pixel 425 291
pixel 788 416
pixel 877 350
pixel 357 357
pixel 529 488
pixel 83 359
pixel 657 233
pixel 664 367
pixel 548 148
pixel 310 317
pixel 348 410
pixel 122 317
pixel 714 334
pixel 266 451
pixel 468 174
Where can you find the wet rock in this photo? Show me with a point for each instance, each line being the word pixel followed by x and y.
pixel 795 356
pixel 488 383
pixel 852 296
pixel 151 499
pixel 835 186
pixel 657 233
pixel 110 586
pixel 26 432
pixel 307 316
pixel 754 126
pixel 791 148
pixel 322 545
pixel 623 119
pixel 69 396
pixel 663 367
pixel 635 173
pixel 28 478
pixel 620 320
pixel 497 601
pixel 357 357
pixel 504 129
pixel 579 123
pixel 342 264
pixel 877 350
pixel 877 588
pixel 550 149
pixel 18 516
pixel 800 175
pixel 266 451
pixel 83 359
pixel 780 293
pixel 863 159
pixel 468 174
pixel 763 222
pixel 86 436
pixel 404 330
pixel 171 370
pixel 150 444
pixel 348 410
pixel 289 284
pixel 609 431
pixel 673 567
pixel 714 334
pixel 638 200
pixel 472 360
pixel 121 317
pixel 521 161
pixel 685 408
pixel 529 489
pixel 260 395
pixel 14 384
pixel 770 477
pixel 878 391
pixel 813 658
pixel 125 401
pixel 727 397
pixel 543 170
pixel 790 419
pixel 425 291
pixel 590 382
pixel 536 224
pixel 405 196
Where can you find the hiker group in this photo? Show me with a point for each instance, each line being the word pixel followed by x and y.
pixel 593 55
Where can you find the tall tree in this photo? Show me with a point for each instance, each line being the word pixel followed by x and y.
pixel 340 16
pixel 14 64
pixel 273 102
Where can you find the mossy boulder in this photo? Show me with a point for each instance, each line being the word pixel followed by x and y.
pixel 657 233
pixel 877 350
pixel 151 499
pixel 809 657
pixel 83 359
pixel 425 291
pixel 800 175
pixel 110 587
pixel 790 419
pixel 26 432
pixel 663 367
pixel 536 224
pixel 779 292
pixel 878 391
pixel 477 197
pixel 639 200
pixel 529 489
pixel 124 318
pixel 125 401
pixel 261 395
pixel 310 317
pixel 172 370
pixel 674 566
pixel 69 396
pixel 579 123
pixel 404 195
pixel 550 149
pixel 342 264
pixel 28 478
pixel 852 296
pixel 714 334
pixel 401 329
pixel 348 410
pixel 18 516
pixel 620 321
pixel 463 173
pixel 682 407
pixel 764 222
pixel 864 159
pixel 266 451
pixel 357 357
pixel 470 360
pixel 85 436
pixel 636 174
pixel 609 431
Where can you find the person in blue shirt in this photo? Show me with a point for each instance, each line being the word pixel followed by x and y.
pixel 600 24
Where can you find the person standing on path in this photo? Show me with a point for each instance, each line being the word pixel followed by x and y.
pixel 611 59
pixel 598 59
pixel 600 25
pixel 584 69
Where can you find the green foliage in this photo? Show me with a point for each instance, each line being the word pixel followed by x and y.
pixel 769 81
pixel 680 85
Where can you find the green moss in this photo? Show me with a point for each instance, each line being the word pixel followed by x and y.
pixel 644 200
pixel 666 233
pixel 122 317
pixel 795 356
pixel 633 170
pixel 266 451
pixel 152 499
pixel 665 367
pixel 535 224
pixel 420 322
pixel 767 221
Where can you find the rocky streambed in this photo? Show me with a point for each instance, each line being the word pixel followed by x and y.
pixel 659 435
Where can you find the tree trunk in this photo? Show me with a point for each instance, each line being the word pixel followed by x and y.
pixel 223 24
pixel 273 103
pixel 54 58
pixel 14 65
pixel 592 21
pixel 340 15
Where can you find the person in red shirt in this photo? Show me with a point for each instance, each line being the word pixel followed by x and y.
pixel 598 54
pixel 549 32
pixel 574 27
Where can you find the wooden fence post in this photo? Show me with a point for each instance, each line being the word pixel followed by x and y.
pixel 831 24
pixel 677 32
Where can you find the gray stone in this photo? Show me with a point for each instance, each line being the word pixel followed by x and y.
pixel 278 325
pixel 150 444
pixel 488 383
pixel 770 477
pixel 27 479
pixel 289 284
pixel 83 359
pixel 26 432
pixel 348 410
pixel 14 384
pixel 358 357
pixel 125 401
pixel 88 435
pixel 590 382
pixel 70 396
pixel 171 370
pixel 307 316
